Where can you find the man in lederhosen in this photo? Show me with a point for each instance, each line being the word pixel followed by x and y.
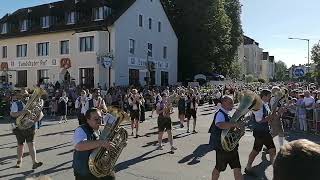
pixel 26 135
pixel 261 130
pixel 85 140
pixel 191 110
pixel 82 106
pixel 224 158
pixel 135 103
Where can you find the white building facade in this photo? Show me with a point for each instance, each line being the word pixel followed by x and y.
pixel 120 49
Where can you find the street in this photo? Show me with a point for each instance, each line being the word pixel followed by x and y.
pixel 139 160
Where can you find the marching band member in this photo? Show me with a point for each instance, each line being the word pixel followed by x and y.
pixel 191 110
pixel 97 101
pixel 82 106
pixel 26 135
pixel 182 108
pixel 63 100
pixel 223 158
pixel 261 130
pixel 85 140
pixel 135 103
pixel 164 109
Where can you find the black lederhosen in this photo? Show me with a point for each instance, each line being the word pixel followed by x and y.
pixel 26 135
pixel 164 123
pixel 181 112
pixel 223 158
pixel 191 112
pixel 261 139
pixel 135 114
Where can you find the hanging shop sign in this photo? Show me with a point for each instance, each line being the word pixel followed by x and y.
pixel 4 66
pixel 65 63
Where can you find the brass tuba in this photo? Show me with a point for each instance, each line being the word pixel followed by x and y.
pixel 102 161
pixel 231 137
pixel 32 110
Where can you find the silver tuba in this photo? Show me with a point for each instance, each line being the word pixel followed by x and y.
pixel 32 110
pixel 231 137
pixel 102 161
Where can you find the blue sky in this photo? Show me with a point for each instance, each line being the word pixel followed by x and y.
pixel 269 22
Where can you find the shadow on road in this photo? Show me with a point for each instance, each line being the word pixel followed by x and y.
pixel 126 164
pixel 197 154
pixel 8 134
pixel 294 135
pixel 260 169
pixel 55 133
pixel 4 159
pixel 178 136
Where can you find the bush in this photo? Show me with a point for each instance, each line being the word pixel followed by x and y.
pixel 249 78
pixel 261 80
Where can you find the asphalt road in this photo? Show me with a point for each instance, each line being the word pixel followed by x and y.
pixel 140 160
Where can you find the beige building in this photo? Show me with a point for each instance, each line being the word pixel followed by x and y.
pixel 252 56
pixel 111 45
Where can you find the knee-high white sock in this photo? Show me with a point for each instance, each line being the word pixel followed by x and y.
pixel 281 140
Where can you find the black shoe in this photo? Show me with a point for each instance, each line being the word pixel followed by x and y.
pixel 36 165
pixel 188 131
pixel 18 165
pixel 249 172
pixel 181 126
pixel 194 132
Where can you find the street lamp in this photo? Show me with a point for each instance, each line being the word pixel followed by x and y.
pixel 308 40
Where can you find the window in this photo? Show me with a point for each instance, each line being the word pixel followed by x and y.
pixel 159 26
pixel 140 20
pixel 134 77
pixel 64 47
pixel 44 21
pixel 164 52
pixel 23 25
pixel 43 49
pixel 149 49
pixel 22 50
pixel 131 46
pixel 86 44
pixel 164 78
pixel 43 75
pixel 150 23
pixel 101 13
pixel 86 77
pixel 4 52
pixel 22 78
pixel 4 28
pixel 71 17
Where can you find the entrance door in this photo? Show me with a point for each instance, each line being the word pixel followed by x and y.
pixel 67 77
pixel 87 77
pixel 134 77
pixel 22 78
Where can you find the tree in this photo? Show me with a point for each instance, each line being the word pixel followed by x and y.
pixel 235 70
pixel 209 33
pixel 315 56
pixel 281 71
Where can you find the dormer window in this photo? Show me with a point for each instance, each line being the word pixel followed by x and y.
pixel 4 28
pixel 45 21
pixel 100 13
pixel 71 17
pixel 24 25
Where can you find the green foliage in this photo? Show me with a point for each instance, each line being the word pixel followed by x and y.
pixel 261 80
pixel 235 70
pixel 315 56
pixel 249 78
pixel 281 71
pixel 209 33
